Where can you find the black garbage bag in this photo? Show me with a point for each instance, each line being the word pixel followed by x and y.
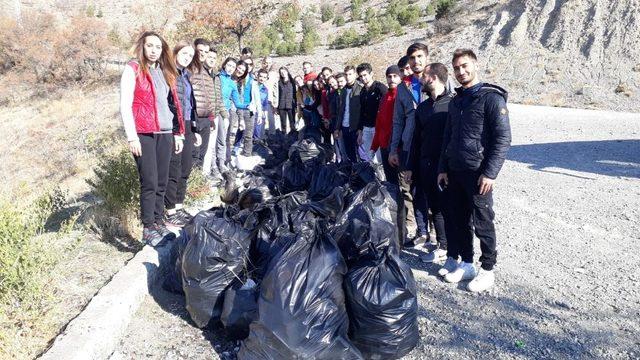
pixel 295 177
pixel 368 226
pixel 215 254
pixel 382 307
pixel 262 179
pixel 312 133
pixel 240 309
pixel 173 280
pixel 332 206
pixel 301 305
pixel 249 198
pixel 307 150
pixel 325 180
pixel 274 229
pixel 261 149
pixel 363 173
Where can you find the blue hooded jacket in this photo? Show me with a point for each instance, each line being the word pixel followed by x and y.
pixel 230 92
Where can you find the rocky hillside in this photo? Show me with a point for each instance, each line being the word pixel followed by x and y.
pixel 574 53
pixel 577 53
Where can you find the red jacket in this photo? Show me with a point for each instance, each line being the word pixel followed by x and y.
pixel 326 109
pixel 144 104
pixel 384 121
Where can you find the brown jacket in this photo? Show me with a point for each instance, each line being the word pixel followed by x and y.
pixel 208 95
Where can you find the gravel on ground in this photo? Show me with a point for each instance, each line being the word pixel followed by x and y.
pixel 567 208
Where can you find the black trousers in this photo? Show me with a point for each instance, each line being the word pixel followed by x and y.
pixel 153 170
pixel 350 139
pixel 179 171
pixel 249 125
pixel 390 173
pixel 290 113
pixel 434 200
pixel 468 210
pixel 204 129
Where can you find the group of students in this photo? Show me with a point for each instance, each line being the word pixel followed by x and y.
pixel 443 146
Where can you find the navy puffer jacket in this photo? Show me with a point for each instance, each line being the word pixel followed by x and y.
pixel 477 134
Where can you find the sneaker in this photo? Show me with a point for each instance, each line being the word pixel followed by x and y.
pixel 435 255
pixel 166 233
pixel 185 215
pixel 484 281
pixel 151 236
pixel 450 265
pixel 464 271
pixel 420 239
pixel 176 220
pixel 409 241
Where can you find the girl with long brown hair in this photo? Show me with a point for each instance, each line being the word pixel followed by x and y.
pixel 181 164
pixel 154 126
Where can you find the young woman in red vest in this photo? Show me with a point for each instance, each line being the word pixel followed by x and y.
pixel 153 122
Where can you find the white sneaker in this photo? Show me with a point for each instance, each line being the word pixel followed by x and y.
pixel 435 255
pixel 484 281
pixel 464 271
pixel 450 265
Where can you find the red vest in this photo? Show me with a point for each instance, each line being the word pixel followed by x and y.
pixel 144 104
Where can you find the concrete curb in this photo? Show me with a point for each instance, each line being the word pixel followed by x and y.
pixel 95 333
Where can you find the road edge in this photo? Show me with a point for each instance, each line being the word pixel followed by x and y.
pixel 96 331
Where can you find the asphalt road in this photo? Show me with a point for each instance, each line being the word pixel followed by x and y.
pixel 567 208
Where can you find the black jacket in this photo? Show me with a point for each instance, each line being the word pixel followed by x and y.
pixel 369 104
pixel 194 113
pixel 286 95
pixel 334 104
pixel 477 134
pixel 431 118
pixel 354 107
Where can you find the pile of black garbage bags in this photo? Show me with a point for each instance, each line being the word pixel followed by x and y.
pixel 303 260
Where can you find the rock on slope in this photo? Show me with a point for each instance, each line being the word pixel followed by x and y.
pixel 585 50
pixel 577 53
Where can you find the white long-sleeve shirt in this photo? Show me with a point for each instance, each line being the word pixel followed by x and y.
pixel 127 89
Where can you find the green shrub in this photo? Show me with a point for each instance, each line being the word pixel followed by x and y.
pixel 339 20
pixel 431 9
pixel 348 38
pixel 444 8
pixel 90 11
pixel 25 262
pixel 369 15
pixel 326 12
pixel 390 25
pixel 287 48
pixel 356 9
pixel 310 37
pixel 374 32
pixel 116 182
pixel 408 15
pixel 287 18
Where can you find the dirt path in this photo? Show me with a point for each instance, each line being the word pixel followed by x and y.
pixel 568 222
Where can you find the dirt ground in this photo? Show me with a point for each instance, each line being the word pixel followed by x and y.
pixel 567 215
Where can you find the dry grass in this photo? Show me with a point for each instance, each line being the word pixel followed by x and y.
pixel 54 140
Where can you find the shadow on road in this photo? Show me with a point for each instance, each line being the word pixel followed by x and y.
pixel 607 157
pixel 174 303
pixel 518 321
